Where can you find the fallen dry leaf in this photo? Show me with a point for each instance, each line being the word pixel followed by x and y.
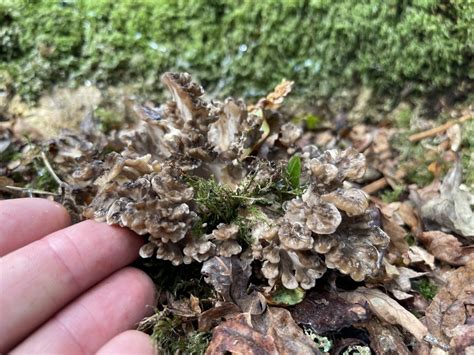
pixel 398 244
pixel 410 217
pixel 184 307
pixel 453 306
pixel 274 332
pixel 237 337
pixel 212 317
pixel 451 209
pixel 417 254
pixel 274 99
pixel 445 247
pixel 385 339
pixel 326 311
pixel 401 283
pixel 387 309
pixel 463 339
pixel 288 337
pixel 404 276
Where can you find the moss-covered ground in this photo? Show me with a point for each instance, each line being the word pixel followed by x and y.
pixel 239 47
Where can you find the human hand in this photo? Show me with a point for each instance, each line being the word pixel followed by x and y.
pixel 66 289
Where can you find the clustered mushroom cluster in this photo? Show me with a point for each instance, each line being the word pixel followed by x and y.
pixel 329 226
pixel 327 223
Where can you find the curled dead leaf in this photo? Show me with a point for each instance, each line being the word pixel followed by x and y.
pixel 274 99
pixel 210 318
pixel 387 309
pixel 274 332
pixel 417 254
pixel 398 244
pixel 453 306
pixel 326 311
pixel 288 337
pixel 451 208
pixel 238 337
pixel 445 247
pixel 385 339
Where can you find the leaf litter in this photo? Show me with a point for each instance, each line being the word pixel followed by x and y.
pixel 266 234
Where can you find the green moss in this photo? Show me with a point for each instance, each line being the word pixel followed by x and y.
pixel 467 153
pixel 416 159
pixel 245 230
pixel 404 118
pixel 43 181
pixel 238 47
pixel 9 154
pixel 411 240
pixel 108 119
pixel 426 288
pixel 312 122
pixel 216 202
pixel 392 195
pixel 168 335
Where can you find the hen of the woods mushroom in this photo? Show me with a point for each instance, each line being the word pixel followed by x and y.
pixel 203 179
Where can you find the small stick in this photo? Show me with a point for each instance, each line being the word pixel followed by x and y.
pixel 51 171
pixel 26 190
pixel 375 186
pixel 434 131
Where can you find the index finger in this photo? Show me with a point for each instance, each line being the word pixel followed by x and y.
pixel 44 276
pixel 25 220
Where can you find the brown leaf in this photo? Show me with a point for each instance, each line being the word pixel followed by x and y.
pixel 385 339
pixel 184 307
pixel 387 310
pixel 210 318
pixel 398 244
pixel 453 305
pixel 463 339
pixel 404 276
pixel 274 332
pixel 445 247
pixel 409 216
pixel 451 208
pixel 326 311
pixel 236 336
pixel 288 337
pixel 417 254
pixel 401 283
pixel 274 99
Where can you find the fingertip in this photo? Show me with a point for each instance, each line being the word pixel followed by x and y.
pixel 129 342
pixel 28 219
pixel 143 288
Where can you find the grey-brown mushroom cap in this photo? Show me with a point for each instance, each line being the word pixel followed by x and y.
pixel 352 201
pixel 356 249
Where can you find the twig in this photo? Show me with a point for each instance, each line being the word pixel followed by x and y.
pixel 375 186
pixel 27 190
pixel 434 131
pixel 51 171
